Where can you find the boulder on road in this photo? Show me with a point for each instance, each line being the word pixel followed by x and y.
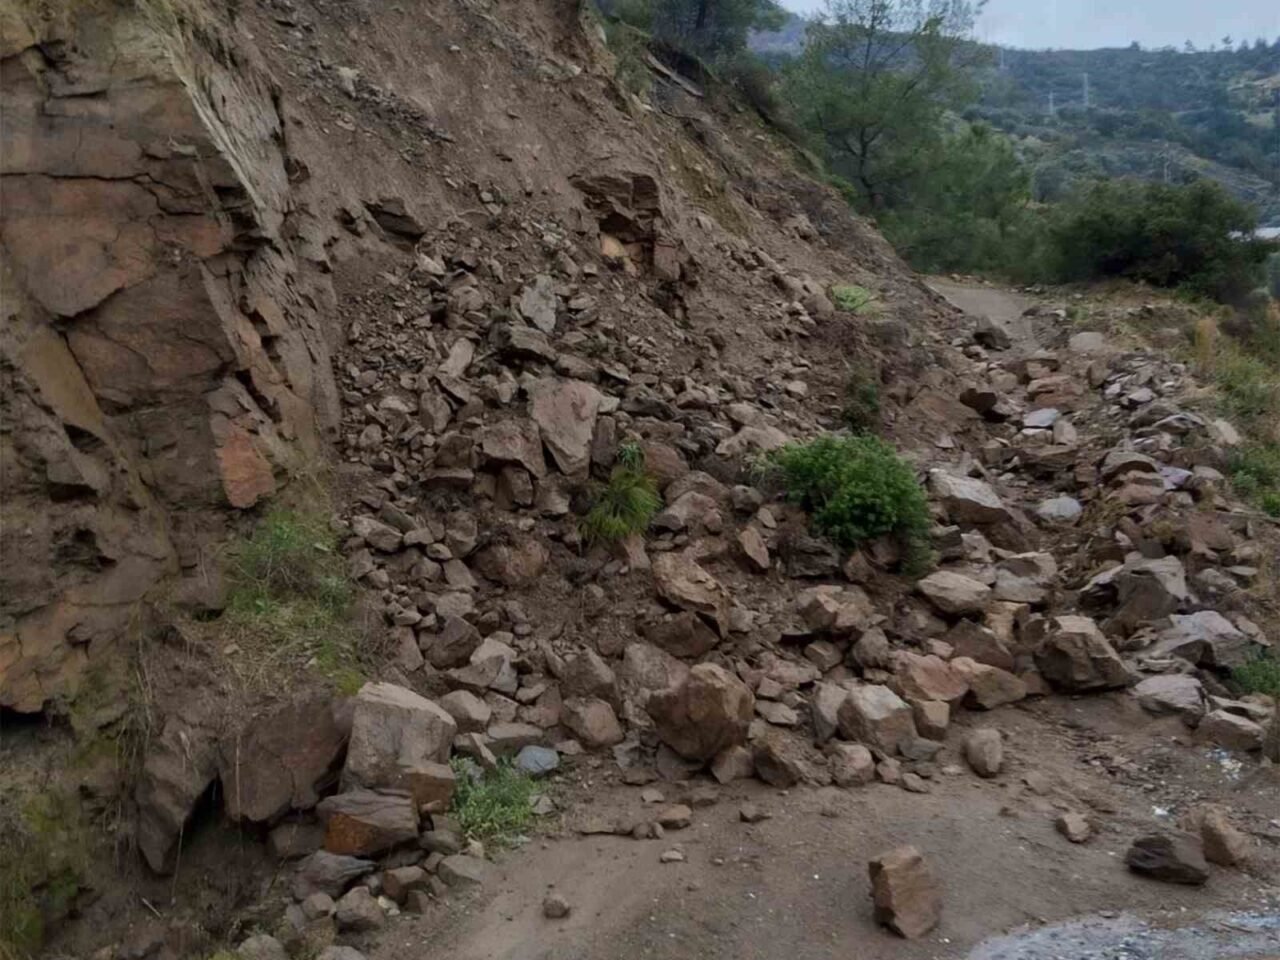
pixel 1173 694
pixel 709 711
pixel 906 896
pixel 984 750
pixel 1172 857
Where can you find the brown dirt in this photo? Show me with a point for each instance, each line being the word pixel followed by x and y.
pixel 796 885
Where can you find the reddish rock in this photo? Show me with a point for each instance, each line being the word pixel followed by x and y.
pixel 906 896
pixel 707 713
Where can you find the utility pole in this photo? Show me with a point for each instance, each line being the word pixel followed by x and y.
pixel 1086 90
pixel 1051 110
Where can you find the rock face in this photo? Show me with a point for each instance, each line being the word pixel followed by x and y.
pixel 905 894
pixel 396 736
pixel 708 712
pixel 188 364
pixel 1075 656
pixel 1171 857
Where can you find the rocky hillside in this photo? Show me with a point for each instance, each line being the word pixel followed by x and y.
pixel 431 261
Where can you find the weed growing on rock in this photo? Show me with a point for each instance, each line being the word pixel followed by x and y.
pixel 861 410
pixel 857 489
pixel 852 298
pixel 1259 675
pixel 492 807
pixel 290 600
pixel 626 504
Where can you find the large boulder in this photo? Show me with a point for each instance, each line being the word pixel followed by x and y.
pixel 967 501
pixel 1205 638
pixel 709 711
pixel 920 678
pixel 1138 591
pixel 684 584
pixel 282 760
pixel 874 715
pixel 1076 657
pixel 954 593
pixel 1177 694
pixel 364 823
pixel 989 687
pixel 565 412
pixel 180 765
pixel 397 737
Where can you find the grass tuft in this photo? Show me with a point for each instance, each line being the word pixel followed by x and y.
pixel 857 489
pixel 852 298
pixel 1259 675
pixel 290 602
pixel 493 807
pixel 626 504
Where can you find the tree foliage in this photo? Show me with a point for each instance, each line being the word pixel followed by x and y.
pixel 1194 236
pixel 712 29
pixel 873 83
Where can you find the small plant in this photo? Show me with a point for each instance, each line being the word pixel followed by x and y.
pixel 857 489
pixel 861 410
pixel 492 807
pixel 1255 475
pixel 852 298
pixel 1259 675
pixel 290 599
pixel 626 504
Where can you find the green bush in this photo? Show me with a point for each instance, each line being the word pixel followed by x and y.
pixel 1195 236
pixel 626 504
pixel 1259 675
pixel 852 298
pixel 857 489
pixel 493 806
pixel 861 409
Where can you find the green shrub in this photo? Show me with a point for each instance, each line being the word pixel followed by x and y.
pixel 1260 675
pixel 493 806
pixel 1190 236
pixel 626 504
pixel 1248 386
pixel 857 489
pixel 861 409
pixel 852 298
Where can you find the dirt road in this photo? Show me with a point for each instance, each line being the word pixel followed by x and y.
pixel 795 886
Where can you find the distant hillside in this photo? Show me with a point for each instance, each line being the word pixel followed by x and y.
pixel 1154 114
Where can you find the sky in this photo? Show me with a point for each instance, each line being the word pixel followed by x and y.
pixel 1086 24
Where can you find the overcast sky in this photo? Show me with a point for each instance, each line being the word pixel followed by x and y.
pixel 1085 24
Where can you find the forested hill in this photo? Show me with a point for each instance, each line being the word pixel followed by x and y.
pixel 1154 114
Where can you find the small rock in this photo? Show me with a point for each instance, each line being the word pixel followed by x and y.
pixel 555 907
pixel 984 749
pixel 1171 857
pixel 1074 826
pixel 358 910
pixel 261 947
pixel 906 896
pixel 671 856
pixel 462 870
pixel 750 813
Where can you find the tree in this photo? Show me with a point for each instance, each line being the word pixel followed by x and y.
pixel 713 28
pixel 873 83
